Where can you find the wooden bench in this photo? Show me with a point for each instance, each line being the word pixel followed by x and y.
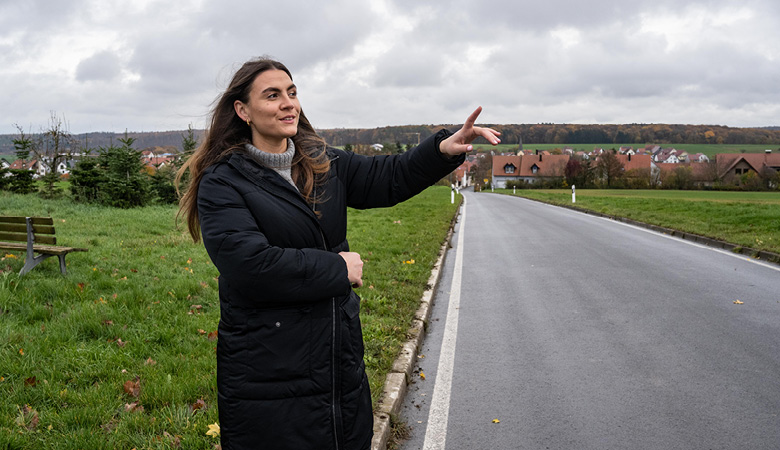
pixel 35 235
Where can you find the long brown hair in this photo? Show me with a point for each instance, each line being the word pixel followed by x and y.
pixel 228 133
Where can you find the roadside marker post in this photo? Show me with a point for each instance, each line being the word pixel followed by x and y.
pixel 573 195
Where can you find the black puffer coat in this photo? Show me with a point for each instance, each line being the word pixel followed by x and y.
pixel 290 369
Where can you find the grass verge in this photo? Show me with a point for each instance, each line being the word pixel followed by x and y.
pixel 120 352
pixel 748 219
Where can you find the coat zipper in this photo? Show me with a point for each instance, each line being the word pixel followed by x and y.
pixel 334 398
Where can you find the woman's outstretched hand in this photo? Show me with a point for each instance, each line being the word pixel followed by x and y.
pixel 460 142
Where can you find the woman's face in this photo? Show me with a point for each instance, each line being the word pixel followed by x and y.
pixel 272 110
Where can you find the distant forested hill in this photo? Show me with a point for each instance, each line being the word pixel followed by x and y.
pixel 143 140
pixel 510 134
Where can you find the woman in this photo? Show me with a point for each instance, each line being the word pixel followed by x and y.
pixel 270 200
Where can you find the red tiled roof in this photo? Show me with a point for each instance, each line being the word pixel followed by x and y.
pixel 500 161
pixel 635 161
pixel 548 165
pixel 23 165
pixel 757 161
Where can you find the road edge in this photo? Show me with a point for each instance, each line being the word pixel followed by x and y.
pixel 397 380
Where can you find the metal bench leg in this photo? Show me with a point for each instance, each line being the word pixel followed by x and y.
pixel 31 261
pixel 62 264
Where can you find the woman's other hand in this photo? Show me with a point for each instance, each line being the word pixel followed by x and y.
pixel 354 268
pixel 460 142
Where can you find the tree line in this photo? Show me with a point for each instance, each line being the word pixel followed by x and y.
pixel 545 133
pixel 569 134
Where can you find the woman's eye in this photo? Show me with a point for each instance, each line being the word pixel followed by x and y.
pixel 293 93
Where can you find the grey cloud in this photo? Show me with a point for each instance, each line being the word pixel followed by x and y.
pixel 180 57
pixel 102 66
pixel 409 66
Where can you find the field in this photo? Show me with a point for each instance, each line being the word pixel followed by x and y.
pixel 119 353
pixel 747 219
pixel 708 149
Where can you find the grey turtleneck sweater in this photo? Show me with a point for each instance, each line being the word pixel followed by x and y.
pixel 280 162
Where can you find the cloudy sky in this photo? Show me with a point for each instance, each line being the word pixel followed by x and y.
pixel 149 65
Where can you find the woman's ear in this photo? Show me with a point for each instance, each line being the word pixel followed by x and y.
pixel 240 108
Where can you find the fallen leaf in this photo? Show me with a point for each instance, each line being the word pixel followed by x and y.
pixel 133 407
pixel 28 418
pixel 81 287
pixel 198 405
pixel 175 441
pixel 422 375
pixel 201 331
pixel 496 421
pixel 108 322
pixel 31 381
pixel 11 255
pixel 133 387
pixel 737 302
pixel 120 342
pixel 213 430
pixel 213 335
pixel 150 361
pixel 21 351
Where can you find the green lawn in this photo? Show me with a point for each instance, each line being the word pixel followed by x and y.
pixel 120 352
pixel 747 219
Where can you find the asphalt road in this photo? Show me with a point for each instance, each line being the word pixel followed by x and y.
pixel 578 332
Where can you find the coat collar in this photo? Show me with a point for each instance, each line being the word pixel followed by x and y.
pixel 268 180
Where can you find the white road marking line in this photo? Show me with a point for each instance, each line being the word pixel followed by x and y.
pixel 674 238
pixel 436 432
pixel 695 244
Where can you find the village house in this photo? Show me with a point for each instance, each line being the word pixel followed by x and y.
pixel 34 165
pixel 462 178
pixel 731 166
pixel 528 168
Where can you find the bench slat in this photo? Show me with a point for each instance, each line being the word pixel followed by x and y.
pixel 35 220
pixel 46 249
pixel 22 237
pixel 22 228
